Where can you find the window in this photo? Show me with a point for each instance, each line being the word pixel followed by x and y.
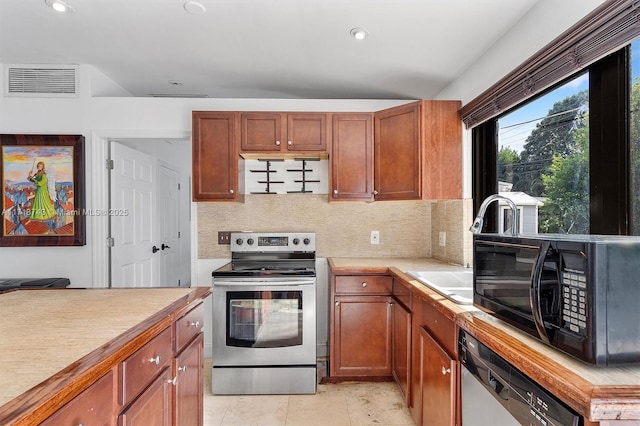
pixel 543 159
pixel 568 148
pixel 634 122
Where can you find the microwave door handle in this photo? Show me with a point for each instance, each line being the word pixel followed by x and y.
pixel 534 293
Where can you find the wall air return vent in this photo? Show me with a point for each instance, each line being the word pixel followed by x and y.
pixel 41 80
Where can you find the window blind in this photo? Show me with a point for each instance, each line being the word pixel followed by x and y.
pixel 606 29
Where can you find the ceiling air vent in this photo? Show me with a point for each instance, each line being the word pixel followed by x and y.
pixel 41 80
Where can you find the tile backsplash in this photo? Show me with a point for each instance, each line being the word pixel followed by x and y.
pixel 342 229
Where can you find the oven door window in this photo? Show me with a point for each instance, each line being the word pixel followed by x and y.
pixel 264 319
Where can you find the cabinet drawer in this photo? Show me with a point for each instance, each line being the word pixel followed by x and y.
pixel 363 284
pixel 441 328
pixel 144 365
pixel 188 326
pixel 93 406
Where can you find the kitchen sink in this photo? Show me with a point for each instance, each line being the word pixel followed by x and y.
pixel 456 286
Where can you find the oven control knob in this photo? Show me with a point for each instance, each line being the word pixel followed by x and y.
pixel 239 241
pixel 296 241
pixel 306 241
pixel 250 241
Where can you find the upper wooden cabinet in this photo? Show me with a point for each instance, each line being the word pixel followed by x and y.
pixel 215 157
pixel 418 151
pixel 351 157
pixel 283 132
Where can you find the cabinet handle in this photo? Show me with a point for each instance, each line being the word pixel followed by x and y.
pixel 183 368
pixel 231 191
pixel 195 324
pixel 155 360
pixel 375 192
pixel 335 191
pixel 278 143
pixel 173 381
pixel 289 143
pixel 337 303
pixel 445 371
pixel 364 284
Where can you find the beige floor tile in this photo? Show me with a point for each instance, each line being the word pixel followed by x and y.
pixel 327 406
pixel 376 404
pixel 345 404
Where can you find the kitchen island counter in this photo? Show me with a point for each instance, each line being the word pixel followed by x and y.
pixel 55 343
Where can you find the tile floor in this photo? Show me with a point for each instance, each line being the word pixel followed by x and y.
pixel 345 404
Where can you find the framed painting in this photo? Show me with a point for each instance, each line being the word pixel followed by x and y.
pixel 43 190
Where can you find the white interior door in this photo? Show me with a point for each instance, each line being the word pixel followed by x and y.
pixel 169 229
pixel 134 255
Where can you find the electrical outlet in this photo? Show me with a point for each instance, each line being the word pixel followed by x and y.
pixel 442 239
pixel 224 237
pixel 375 237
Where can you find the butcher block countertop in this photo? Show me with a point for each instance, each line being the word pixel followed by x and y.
pixel 600 394
pixel 53 339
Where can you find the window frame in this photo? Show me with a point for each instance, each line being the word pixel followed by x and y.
pixel 609 154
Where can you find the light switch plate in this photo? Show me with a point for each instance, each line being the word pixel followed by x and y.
pixel 442 239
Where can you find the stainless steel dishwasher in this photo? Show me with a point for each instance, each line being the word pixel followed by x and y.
pixel 494 392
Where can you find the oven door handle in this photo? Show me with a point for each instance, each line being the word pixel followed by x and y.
pixel 245 283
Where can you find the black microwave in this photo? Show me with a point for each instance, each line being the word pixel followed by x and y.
pixel 577 293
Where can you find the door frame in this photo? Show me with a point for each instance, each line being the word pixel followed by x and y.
pixel 98 182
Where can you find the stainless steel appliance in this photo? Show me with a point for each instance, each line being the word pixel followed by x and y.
pixel 264 316
pixel 577 293
pixel 494 392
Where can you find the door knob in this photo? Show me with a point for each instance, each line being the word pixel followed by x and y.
pixel 155 249
pixel 163 246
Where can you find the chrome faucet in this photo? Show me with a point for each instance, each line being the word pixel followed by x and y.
pixel 476 228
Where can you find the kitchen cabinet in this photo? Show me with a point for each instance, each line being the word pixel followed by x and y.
pixel 95 405
pixel 438 402
pixel 153 406
pixel 215 159
pixel 418 151
pixel 360 330
pixel 439 376
pixel 401 348
pixel 351 157
pixel 269 132
pixel 187 368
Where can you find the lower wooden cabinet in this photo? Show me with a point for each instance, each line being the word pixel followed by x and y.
pixel 94 406
pixel 362 336
pixel 401 348
pixel 188 387
pixel 153 406
pixel 438 380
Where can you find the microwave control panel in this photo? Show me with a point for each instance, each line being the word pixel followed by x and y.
pixel 574 301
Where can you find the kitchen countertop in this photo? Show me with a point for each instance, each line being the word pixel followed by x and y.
pixel 48 337
pixel 598 393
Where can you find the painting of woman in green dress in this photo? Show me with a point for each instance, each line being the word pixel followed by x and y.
pixel 42 205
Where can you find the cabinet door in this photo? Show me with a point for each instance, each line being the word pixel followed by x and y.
pixel 438 382
pixel 397 157
pixel 153 406
pixel 401 353
pixel 261 132
pixel 362 336
pixel 94 406
pixel 188 388
pixel 215 156
pixel 352 157
pixel 306 132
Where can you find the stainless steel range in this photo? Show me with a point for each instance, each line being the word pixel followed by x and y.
pixel 264 316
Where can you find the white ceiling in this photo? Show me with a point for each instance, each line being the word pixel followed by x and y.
pixel 263 48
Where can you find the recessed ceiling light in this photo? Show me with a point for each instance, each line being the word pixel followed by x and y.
pixel 359 33
pixel 194 7
pixel 59 5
